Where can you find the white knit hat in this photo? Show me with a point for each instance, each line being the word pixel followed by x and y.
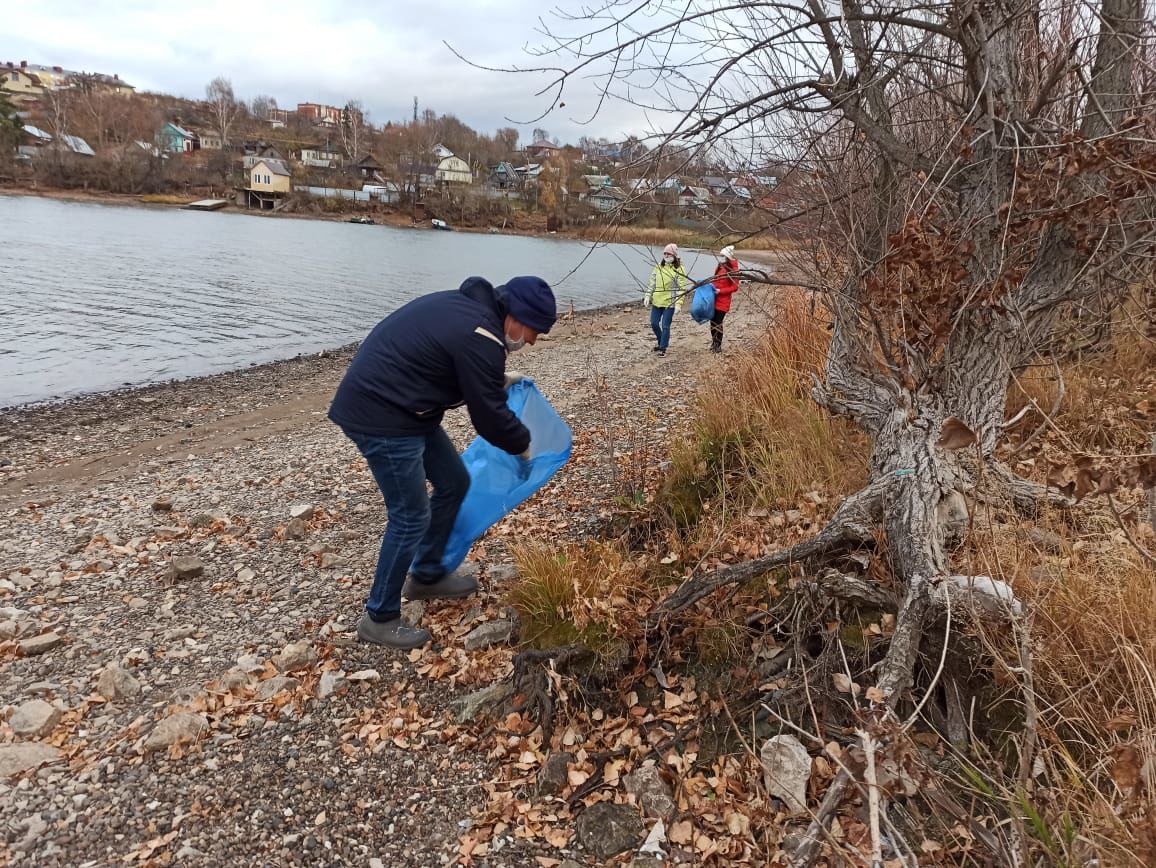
pixel 727 252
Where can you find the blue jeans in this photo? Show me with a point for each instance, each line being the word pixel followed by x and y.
pixel 418 525
pixel 660 319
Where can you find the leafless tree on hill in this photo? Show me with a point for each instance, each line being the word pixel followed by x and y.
pixel 223 106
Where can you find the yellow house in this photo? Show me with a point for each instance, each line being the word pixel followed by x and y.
pixel 20 82
pixel 269 176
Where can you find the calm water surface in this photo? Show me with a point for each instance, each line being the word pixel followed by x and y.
pixel 93 297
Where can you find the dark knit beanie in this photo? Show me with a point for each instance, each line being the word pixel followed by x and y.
pixel 530 301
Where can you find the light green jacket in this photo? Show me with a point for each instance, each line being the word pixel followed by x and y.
pixel 669 286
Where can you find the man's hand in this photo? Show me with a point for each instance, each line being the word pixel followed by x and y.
pixel 511 378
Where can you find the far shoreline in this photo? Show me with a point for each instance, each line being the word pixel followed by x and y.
pixel 392 219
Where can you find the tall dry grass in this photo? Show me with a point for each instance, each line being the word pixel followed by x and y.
pixel 758 433
pixel 1092 637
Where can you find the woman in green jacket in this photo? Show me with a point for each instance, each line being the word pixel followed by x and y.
pixel 667 291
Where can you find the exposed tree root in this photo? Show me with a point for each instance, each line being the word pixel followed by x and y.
pixel 532 695
pixel 851 525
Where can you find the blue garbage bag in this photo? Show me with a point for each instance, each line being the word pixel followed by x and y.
pixel 702 305
pixel 500 481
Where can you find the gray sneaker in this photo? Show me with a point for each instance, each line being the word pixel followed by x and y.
pixel 395 634
pixel 452 586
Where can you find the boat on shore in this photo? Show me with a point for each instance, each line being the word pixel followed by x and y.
pixel 207 205
pixel 363 220
pixel 441 224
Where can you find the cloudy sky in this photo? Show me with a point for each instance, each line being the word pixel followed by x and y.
pixel 384 53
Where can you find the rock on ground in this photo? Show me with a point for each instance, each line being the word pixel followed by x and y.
pixel 491 633
pixel 116 683
pixel 45 642
pixel 786 771
pixel 186 567
pixel 35 719
pixel 182 726
pixel 652 792
pixel 607 829
pixel 23 756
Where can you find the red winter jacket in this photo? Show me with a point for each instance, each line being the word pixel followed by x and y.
pixel 724 285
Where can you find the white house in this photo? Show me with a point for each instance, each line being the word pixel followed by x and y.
pixel 453 170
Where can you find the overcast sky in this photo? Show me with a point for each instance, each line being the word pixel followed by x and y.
pixel 383 53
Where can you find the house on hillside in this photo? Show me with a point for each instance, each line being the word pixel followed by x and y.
pixel 607 199
pixel 320 156
pixel 32 78
pixel 174 139
pixel 441 151
pixel 367 167
pixel 504 177
pixel 33 140
pixel 542 149
pixel 453 170
pixel 319 115
pixel 21 85
pixel 715 184
pixel 594 183
pixel 697 198
pixel 268 183
pixel 207 140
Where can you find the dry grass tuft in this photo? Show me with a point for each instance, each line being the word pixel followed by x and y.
pixel 592 594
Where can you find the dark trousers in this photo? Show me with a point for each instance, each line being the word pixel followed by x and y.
pixel 716 328
pixel 418 526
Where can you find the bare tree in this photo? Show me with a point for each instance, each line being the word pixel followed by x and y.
pixel 353 129
pixel 223 107
pixel 261 106
pixel 976 171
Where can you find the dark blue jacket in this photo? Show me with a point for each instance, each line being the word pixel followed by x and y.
pixel 435 353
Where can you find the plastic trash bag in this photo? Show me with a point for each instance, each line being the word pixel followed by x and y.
pixel 500 481
pixel 702 305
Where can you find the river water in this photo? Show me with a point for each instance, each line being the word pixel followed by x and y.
pixel 94 297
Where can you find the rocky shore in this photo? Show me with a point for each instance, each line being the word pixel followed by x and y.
pixel 180 569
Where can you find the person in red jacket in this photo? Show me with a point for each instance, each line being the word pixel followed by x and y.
pixel 725 285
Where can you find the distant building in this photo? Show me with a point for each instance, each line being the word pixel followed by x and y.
pixel 269 182
pixel 320 157
pixel 208 141
pixel 33 78
pixel 694 197
pixel 320 115
pixel 504 177
pixel 174 139
pixel 542 149
pixel 368 167
pixel 607 199
pixel 453 170
pixel 22 85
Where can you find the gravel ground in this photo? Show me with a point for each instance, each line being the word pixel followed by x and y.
pixel 218 710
